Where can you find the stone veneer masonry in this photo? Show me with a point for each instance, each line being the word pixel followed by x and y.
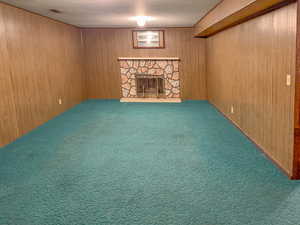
pixel 168 68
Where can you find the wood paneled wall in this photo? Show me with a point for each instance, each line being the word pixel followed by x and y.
pixel 104 46
pixel 40 63
pixel 247 69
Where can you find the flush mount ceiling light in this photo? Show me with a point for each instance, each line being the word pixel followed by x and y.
pixel 141 20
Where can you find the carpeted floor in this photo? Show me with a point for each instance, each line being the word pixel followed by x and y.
pixel 111 163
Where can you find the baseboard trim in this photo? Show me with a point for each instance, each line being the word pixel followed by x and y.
pixel 268 156
pixel 152 100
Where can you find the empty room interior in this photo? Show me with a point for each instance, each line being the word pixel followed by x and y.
pixel 150 112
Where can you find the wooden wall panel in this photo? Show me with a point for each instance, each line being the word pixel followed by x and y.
pixel 104 46
pixel 297 87
pixel 247 69
pixel 8 122
pixel 44 60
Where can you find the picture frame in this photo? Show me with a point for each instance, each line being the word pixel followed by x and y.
pixel 148 39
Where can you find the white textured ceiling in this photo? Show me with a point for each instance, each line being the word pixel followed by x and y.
pixel 116 13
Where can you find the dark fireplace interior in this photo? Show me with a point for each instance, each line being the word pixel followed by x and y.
pixel 149 86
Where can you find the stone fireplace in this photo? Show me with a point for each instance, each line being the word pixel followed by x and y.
pixel 150 78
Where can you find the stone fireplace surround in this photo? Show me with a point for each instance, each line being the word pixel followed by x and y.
pixel 166 67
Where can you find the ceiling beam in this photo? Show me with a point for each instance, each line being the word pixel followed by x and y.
pixel 228 13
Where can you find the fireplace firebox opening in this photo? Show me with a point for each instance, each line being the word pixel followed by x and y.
pixel 150 86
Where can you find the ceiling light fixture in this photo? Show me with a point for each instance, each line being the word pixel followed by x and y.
pixel 141 20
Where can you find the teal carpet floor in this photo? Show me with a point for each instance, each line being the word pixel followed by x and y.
pixel 111 163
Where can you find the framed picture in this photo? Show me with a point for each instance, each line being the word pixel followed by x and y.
pixel 148 39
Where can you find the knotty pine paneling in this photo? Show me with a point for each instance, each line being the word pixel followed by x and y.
pixel 42 62
pixel 247 67
pixel 104 46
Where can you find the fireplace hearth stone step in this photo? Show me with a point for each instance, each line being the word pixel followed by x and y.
pixel 152 100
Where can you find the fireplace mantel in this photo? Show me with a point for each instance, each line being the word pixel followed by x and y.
pixel 150 58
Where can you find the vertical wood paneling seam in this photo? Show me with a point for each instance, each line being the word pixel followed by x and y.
pixel 296 103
